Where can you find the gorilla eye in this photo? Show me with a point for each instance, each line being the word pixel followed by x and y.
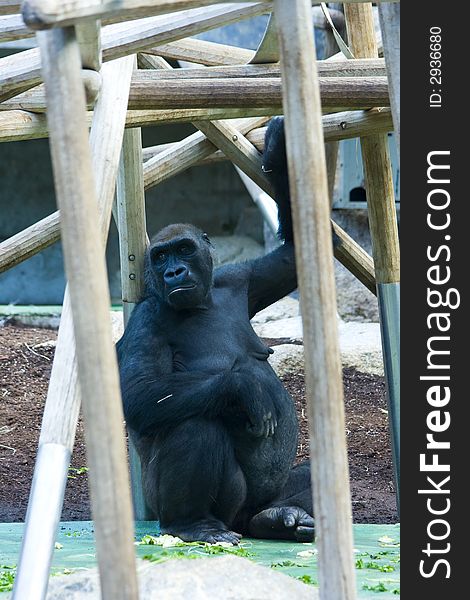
pixel 185 249
pixel 159 257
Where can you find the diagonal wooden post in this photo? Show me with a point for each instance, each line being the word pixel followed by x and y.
pixel 314 255
pixel 63 401
pixel 384 231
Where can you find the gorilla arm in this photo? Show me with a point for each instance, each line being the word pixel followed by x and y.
pixel 154 396
pixel 274 276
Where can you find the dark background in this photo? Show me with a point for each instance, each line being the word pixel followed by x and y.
pixel 423 130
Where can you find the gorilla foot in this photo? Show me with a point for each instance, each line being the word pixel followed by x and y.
pixel 283 523
pixel 205 530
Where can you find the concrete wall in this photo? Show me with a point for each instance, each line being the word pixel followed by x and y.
pixel 211 197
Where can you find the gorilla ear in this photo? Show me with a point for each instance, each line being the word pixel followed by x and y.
pixel 206 238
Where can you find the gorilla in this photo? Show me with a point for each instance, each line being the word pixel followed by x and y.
pixel 214 427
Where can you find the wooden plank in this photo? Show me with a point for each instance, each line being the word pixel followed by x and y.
pixel 377 167
pixel 12 27
pixel 29 242
pixel 350 92
pixel 345 68
pixel 89 38
pixel 135 36
pixel 133 240
pixel 389 15
pixel 89 295
pixel 309 191
pixel 21 71
pixel 336 127
pixel 202 52
pixel 154 93
pixel 9 7
pixel 43 14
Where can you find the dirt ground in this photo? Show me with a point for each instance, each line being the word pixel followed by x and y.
pixel 25 365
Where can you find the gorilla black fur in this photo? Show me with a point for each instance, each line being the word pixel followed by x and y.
pixel 214 427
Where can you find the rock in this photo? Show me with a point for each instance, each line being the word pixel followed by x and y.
pixel 282 309
pixel 290 328
pixel 221 578
pixel 287 358
pixel 360 346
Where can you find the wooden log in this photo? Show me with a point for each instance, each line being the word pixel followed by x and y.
pixel 21 71
pixel 89 38
pixel 202 52
pixel 16 125
pixel 9 7
pixel 29 242
pixel 384 233
pixel 131 223
pixel 335 128
pixel 12 27
pixel 345 68
pixel 377 167
pixel 131 217
pixel 309 191
pixel 43 14
pixel 389 15
pixel 350 92
pixel 154 93
pixel 89 296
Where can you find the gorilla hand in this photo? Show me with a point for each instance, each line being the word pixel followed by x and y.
pixel 253 399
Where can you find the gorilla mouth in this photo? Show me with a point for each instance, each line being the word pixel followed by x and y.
pixel 182 288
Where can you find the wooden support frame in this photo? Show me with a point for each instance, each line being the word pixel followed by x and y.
pixel 22 71
pixel 307 167
pixel 63 400
pixel 384 232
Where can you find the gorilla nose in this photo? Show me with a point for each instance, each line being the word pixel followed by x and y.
pixel 175 275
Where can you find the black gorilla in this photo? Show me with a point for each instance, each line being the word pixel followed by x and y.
pixel 214 427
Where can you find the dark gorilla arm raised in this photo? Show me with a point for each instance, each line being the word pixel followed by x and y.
pixel 264 289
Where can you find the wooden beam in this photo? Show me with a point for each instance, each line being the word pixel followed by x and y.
pixel 389 15
pixel 384 233
pixel 89 39
pixel 345 68
pixel 89 296
pixel 344 92
pixel 151 92
pixel 312 232
pixel 9 7
pixel 202 52
pixel 42 14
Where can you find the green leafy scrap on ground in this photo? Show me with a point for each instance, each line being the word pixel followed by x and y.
pixel 7 577
pixel 74 472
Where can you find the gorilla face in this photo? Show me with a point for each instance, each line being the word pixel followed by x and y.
pixel 179 266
